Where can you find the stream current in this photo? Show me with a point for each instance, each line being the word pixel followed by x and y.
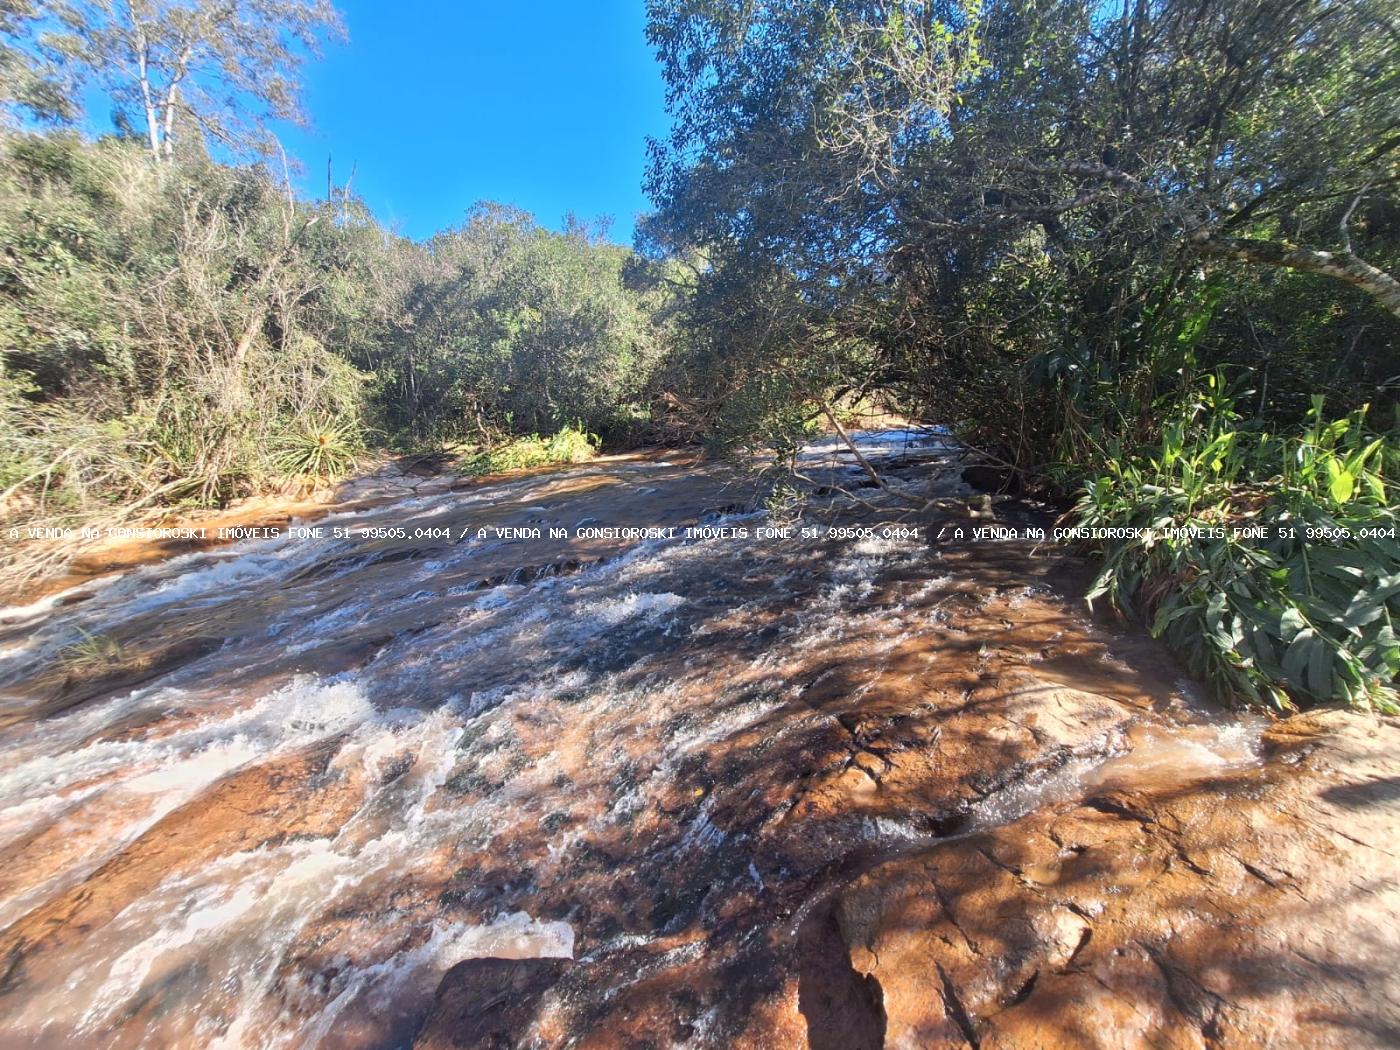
pixel 268 794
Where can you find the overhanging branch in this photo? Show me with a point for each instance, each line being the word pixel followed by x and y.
pixel 1344 266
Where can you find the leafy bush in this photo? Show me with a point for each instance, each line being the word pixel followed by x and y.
pixel 512 327
pixel 1304 615
pixel 568 445
pixel 187 333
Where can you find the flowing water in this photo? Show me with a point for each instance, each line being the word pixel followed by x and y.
pixel 267 794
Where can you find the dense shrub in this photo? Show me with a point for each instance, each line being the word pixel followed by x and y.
pixel 158 328
pixel 567 445
pixel 1305 613
pixel 189 332
pixel 513 329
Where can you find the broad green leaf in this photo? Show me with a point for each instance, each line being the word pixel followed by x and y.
pixel 1320 661
pixel 1290 623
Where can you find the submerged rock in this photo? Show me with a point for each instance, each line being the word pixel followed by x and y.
pixel 485 1003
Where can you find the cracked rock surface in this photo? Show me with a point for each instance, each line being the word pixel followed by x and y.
pixel 1258 908
pixel 1085 863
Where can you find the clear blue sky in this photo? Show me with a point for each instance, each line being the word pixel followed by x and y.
pixel 446 102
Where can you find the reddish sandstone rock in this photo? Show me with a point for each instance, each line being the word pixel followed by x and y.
pixel 1258 909
pixel 252 807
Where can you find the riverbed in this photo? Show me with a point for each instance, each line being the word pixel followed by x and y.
pixel 438 776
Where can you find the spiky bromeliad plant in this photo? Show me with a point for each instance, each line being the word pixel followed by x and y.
pixel 324 448
pixel 1303 615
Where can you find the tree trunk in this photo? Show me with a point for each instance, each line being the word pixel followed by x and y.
pixel 148 102
pixel 1344 266
pixel 171 101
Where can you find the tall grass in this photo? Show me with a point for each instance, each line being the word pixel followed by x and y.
pixel 1305 614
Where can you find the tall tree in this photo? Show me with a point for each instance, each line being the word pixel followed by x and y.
pixel 221 68
pixel 972 186
pixel 909 119
pixel 29 80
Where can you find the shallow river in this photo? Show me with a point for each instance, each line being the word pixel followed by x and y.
pixel 269 793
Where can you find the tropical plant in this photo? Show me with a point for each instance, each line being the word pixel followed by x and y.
pixel 325 448
pixel 1272 561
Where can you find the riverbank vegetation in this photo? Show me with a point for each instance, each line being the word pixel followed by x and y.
pixel 1267 558
pixel 1062 228
pixel 1142 254
pixel 190 332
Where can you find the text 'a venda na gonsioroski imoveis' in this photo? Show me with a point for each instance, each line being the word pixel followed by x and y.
pixel 954 531
pixel 464 533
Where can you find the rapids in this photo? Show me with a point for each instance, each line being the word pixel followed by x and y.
pixel 269 793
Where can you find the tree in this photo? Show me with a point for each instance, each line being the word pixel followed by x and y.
pixel 221 68
pixel 505 327
pixel 1202 124
pixel 29 81
pixel 1003 194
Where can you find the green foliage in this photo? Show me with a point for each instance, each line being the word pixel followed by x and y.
pixel 1034 214
pixel 768 411
pixel 319 449
pixel 1039 222
pixel 510 327
pixel 184 333
pixel 567 445
pixel 785 503
pixel 30 82
pixel 194 73
pixel 1305 614
pixel 156 330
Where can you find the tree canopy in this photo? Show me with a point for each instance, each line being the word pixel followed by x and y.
pixel 971 187
pixel 219 69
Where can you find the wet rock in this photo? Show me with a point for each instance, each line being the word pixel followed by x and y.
pixel 1255 909
pixel 991 477
pixel 300 794
pixel 816 794
pixel 484 1004
pixel 124 671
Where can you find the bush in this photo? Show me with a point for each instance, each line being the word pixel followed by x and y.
pixel 1304 615
pixel 509 327
pixel 568 445
pixel 189 334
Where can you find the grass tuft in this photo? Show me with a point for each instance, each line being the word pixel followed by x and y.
pixel 90 653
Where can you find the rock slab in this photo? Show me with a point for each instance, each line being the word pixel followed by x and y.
pixel 1257 909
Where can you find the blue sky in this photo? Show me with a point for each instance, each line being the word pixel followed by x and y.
pixel 444 103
